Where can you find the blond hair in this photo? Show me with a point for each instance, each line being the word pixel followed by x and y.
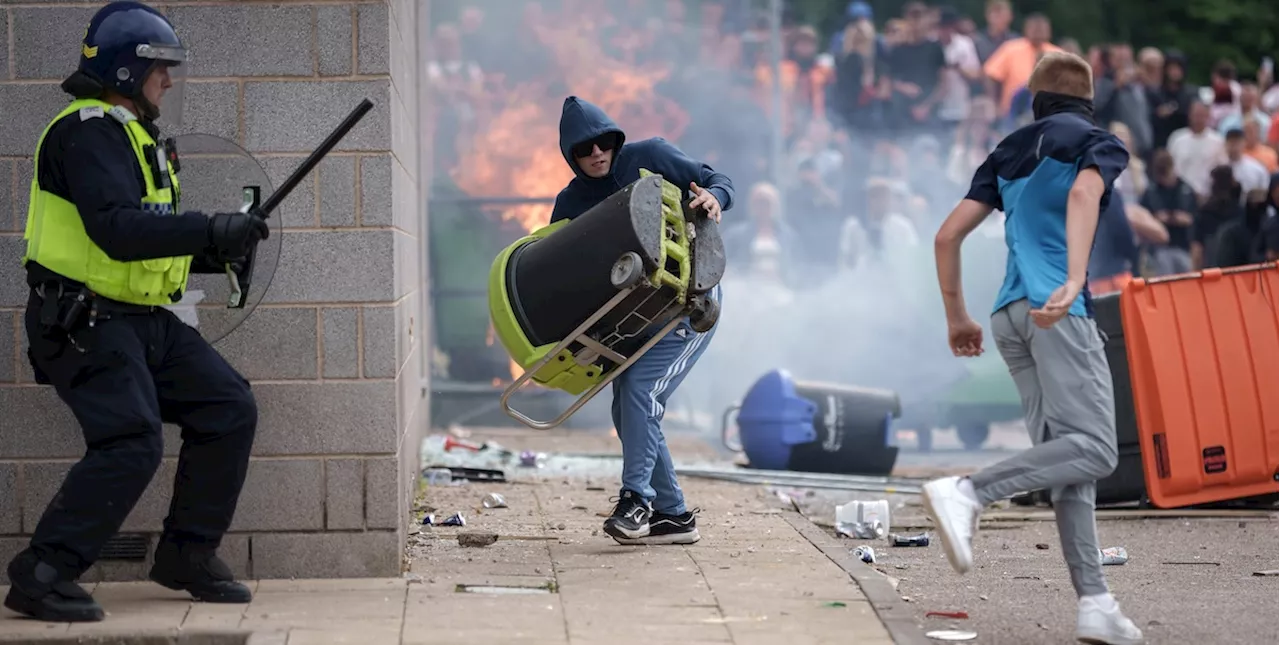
pixel 1062 73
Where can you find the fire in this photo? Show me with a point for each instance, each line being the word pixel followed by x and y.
pixel 516 152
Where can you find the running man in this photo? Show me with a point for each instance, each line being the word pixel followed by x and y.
pixel 1050 178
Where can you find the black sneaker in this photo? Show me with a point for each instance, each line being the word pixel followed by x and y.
pixel 668 529
pixel 39 592
pixel 630 519
pixel 200 573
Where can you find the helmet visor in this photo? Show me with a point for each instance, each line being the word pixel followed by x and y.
pixel 169 60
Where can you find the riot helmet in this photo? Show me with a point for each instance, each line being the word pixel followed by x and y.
pixel 125 44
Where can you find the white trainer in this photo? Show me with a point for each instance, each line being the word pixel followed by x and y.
pixel 955 513
pixel 1100 622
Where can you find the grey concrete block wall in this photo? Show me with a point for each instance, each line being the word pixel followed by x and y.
pixel 335 350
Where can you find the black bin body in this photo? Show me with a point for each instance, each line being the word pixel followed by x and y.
pixel 557 282
pixel 1126 483
pixel 852 425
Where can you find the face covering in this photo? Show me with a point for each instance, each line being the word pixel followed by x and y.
pixel 1045 104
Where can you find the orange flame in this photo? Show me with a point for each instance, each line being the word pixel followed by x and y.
pixel 517 151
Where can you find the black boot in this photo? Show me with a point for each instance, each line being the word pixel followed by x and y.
pixel 37 590
pixel 199 572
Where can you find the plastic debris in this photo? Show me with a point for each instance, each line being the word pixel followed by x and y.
pixel 476 540
pixel 437 476
pixel 947 614
pixel 863 520
pixel 1269 573
pixel 834 603
pixel 454 520
pixel 494 500
pixel 1114 555
pixel 909 540
pixel 951 635
pixel 450 444
pixel 865 553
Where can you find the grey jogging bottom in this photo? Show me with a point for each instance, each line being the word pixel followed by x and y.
pixel 1065 384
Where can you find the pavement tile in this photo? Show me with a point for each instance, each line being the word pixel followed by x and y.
pixel 368 635
pixel 213 616
pixel 447 583
pixel 15 627
pixel 303 585
pixel 371 608
pixel 486 636
pixel 523 616
pixel 136 606
pixel 606 633
pixel 779 584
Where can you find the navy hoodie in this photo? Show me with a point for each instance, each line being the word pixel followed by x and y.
pixel 581 121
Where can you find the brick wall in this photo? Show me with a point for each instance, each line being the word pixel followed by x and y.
pixel 334 351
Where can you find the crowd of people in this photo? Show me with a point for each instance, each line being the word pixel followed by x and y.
pixel 885 120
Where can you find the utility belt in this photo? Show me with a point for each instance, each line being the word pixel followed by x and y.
pixel 68 307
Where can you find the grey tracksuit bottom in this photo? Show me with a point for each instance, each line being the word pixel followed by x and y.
pixel 1065 384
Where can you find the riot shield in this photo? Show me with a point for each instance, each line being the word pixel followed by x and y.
pixel 218 176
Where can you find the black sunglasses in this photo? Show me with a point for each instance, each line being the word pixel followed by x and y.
pixel 605 142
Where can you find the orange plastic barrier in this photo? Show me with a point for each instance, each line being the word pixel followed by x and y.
pixel 1203 360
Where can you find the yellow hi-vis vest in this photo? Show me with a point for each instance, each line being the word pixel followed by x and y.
pixel 56 238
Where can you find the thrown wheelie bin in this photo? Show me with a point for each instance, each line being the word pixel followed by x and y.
pixel 577 302
pixel 816 427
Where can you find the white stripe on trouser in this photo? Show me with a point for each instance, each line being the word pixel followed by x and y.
pixel 660 386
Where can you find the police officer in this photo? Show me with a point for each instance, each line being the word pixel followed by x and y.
pixel 106 249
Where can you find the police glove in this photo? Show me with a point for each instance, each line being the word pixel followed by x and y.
pixel 232 234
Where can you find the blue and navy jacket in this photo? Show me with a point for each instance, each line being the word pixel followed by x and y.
pixel 1028 176
pixel 580 121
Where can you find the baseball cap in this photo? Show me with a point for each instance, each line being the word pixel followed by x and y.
pixel 859 11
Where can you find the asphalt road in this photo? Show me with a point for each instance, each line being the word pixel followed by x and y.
pixel 1020 594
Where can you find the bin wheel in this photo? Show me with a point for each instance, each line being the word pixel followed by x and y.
pixel 924 440
pixel 973 436
pixel 628 271
pixel 704 315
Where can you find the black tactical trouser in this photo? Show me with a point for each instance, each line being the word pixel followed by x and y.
pixel 122 378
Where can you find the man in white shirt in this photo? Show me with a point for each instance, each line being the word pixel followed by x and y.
pixel 964 68
pixel 1196 150
pixel 1249 172
pixel 1249 109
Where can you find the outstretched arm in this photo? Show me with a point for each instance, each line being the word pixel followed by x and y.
pixel 983 197
pixel 682 170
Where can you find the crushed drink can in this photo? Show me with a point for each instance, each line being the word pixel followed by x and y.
pixel 454 520
pixel 866 554
pixel 909 540
pixel 494 500
pixel 429 519
pixel 1112 556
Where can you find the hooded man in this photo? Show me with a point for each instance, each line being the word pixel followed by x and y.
pixel 651 507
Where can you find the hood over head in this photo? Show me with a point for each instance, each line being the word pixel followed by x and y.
pixel 582 121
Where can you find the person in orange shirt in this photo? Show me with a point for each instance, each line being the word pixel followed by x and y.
pixel 1009 68
pixel 805 76
pixel 1273 136
pixel 1253 146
